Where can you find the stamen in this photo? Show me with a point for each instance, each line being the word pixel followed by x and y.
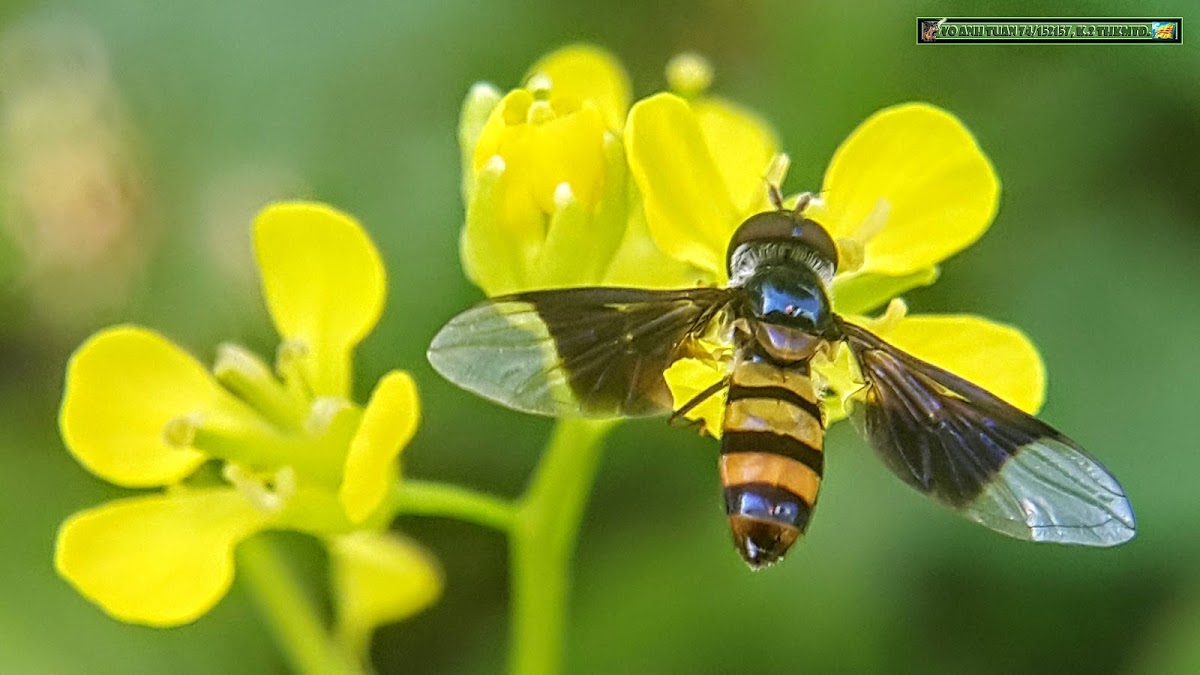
pixel 563 195
pixel 252 441
pixel 540 84
pixel 540 112
pixel 495 164
pixel 290 351
pixel 484 90
pixel 852 249
pixel 777 171
pixel 180 432
pixel 874 222
pixel 322 414
pixel 233 360
pixel 896 310
pixel 255 489
pixel 244 374
pixel 689 74
pixel 290 364
pixel 285 482
pixel 482 100
pixel 850 255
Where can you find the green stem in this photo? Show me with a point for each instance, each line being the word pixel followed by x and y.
pixel 542 543
pixel 292 616
pixel 428 498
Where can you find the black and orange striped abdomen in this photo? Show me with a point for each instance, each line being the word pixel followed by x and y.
pixel 772 456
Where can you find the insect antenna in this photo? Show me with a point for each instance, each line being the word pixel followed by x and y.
pixel 775 196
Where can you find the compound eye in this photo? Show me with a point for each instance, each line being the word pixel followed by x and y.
pixel 766 226
pixel 783 226
pixel 817 238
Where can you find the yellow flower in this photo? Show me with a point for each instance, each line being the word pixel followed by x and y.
pixel 907 189
pixel 554 201
pixel 548 195
pixel 721 156
pixel 544 174
pixel 245 450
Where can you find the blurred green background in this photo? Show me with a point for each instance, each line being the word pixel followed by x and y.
pixel 139 138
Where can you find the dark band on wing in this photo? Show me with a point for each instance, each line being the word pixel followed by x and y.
pixel 936 431
pixel 739 392
pixel 615 343
pixel 971 450
pixel 777 444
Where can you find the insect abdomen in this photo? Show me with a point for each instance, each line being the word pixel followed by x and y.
pixel 772 456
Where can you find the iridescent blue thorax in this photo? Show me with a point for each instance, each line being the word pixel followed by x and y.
pixel 783 263
pixel 788 295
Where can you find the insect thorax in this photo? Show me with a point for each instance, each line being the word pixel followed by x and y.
pixel 784 297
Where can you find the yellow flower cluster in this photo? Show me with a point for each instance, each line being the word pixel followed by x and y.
pixel 567 184
pixel 247 448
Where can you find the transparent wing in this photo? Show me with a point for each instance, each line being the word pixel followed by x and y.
pixel 591 352
pixel 991 462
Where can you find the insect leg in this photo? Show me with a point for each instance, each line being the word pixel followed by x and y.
pixel 696 401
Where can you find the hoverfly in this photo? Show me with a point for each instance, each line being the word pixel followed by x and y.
pixel 602 352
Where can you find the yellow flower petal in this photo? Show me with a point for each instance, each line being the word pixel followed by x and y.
pixel 543 146
pixel 162 560
pixel 742 145
pixel 477 109
pixel 583 237
pixel 687 378
pixel 689 210
pixel 992 355
pixel 915 170
pixel 840 378
pixel 379 579
pixel 124 385
pixel 549 201
pixel 587 74
pixel 639 262
pixel 324 285
pixel 388 423
pixel 860 293
pixel 496 253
